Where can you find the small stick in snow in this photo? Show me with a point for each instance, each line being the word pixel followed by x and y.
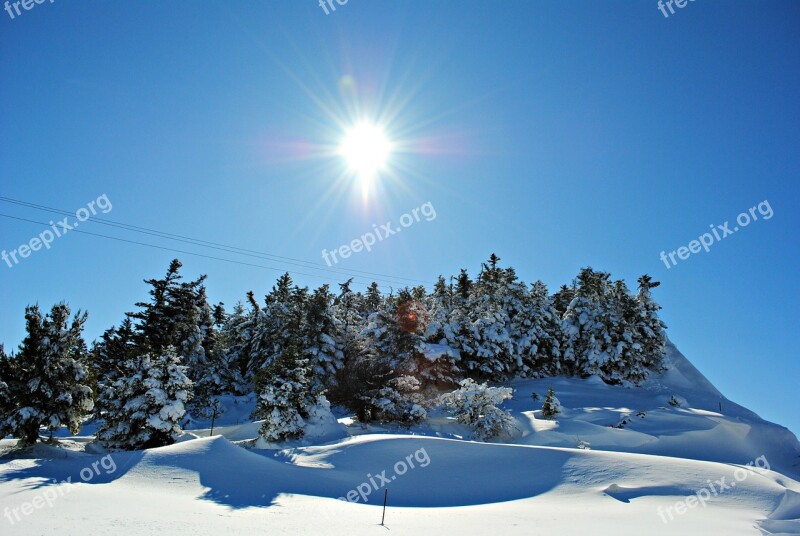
pixel 385 493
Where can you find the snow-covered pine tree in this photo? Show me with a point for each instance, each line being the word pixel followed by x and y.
pixel 218 344
pixel 488 342
pixel 320 334
pixel 588 344
pixel 551 406
pixel 48 380
pixel 440 307
pixel 400 401
pixel 239 332
pixel 143 408
pixel 272 335
pixel 563 298
pixel 171 316
pixel 349 320
pixel 476 405
pixel 652 334
pixel 457 332
pixel 395 333
pixel 373 300
pixel 155 327
pixel 287 394
pixel 442 330
pixel 7 405
pixel 627 361
pixel 116 346
pixel 109 356
pixel 518 311
pixel 204 355
pixel 542 353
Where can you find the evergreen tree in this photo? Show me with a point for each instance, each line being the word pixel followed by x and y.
pixel 440 305
pixel 47 380
pixel 109 356
pixel 541 336
pixel 239 333
pixel 487 342
pixel 652 336
pixel 288 396
pixel 349 321
pixel 476 405
pixel 144 407
pixel 116 346
pixel 551 406
pixel 171 317
pixel 588 343
pixel 393 332
pixel 399 401
pixel 373 299
pixel 320 336
pixel 203 354
pixel 562 299
pixel 273 335
pixel 7 405
pixel 627 361
pixel 156 319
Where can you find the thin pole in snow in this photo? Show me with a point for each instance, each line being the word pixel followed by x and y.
pixel 385 494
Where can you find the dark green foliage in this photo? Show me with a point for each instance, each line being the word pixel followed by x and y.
pixel 46 383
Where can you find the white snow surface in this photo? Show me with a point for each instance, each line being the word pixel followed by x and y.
pixel 539 483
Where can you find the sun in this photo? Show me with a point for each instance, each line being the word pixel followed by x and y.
pixel 366 150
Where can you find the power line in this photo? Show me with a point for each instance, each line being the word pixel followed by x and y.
pixel 218 246
pixel 317 276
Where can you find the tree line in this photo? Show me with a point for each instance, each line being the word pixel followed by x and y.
pixel 386 357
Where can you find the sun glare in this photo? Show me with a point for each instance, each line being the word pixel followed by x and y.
pixel 366 149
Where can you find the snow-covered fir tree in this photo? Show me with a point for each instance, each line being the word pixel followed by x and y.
pixel 476 405
pixel 588 345
pixel 287 395
pixel 651 332
pixel 47 380
pixel 551 406
pixel 238 334
pixel 156 319
pixel 350 322
pixel 320 334
pixel 273 335
pixel 541 337
pixel 6 402
pixel 488 347
pixel 400 401
pixel 117 345
pixel 392 341
pixel 203 354
pixel 440 307
pixel 143 409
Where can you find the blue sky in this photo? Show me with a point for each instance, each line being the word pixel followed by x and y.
pixel 555 134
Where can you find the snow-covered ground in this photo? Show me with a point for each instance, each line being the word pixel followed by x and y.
pixel 651 468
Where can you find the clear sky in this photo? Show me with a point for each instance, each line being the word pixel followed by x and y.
pixel 555 134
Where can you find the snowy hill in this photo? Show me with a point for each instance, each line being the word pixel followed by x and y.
pixel 644 466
